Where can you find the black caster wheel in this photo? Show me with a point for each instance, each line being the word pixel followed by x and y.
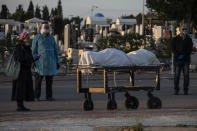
pixel 154 103
pixel 131 102
pixel 111 105
pixel 88 105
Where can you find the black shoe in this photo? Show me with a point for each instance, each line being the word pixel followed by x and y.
pixel 176 92
pixel 37 99
pixel 22 109
pixel 50 99
pixel 185 92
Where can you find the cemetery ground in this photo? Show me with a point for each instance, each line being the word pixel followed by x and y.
pixel 178 113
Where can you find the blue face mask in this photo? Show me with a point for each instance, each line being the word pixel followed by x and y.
pixel 184 31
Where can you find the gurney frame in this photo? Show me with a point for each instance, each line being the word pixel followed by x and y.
pixel 131 102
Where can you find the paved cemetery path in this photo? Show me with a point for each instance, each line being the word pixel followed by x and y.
pixel 66 112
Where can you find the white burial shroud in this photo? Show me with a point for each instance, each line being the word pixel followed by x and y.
pixel 114 57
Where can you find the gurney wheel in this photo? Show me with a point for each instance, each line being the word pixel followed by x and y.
pixel 88 105
pixel 154 103
pixel 131 102
pixel 111 105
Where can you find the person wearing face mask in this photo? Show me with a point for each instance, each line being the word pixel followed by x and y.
pixel 182 48
pixel 45 46
pixel 23 86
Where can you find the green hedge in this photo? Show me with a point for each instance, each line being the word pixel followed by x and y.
pixel 125 43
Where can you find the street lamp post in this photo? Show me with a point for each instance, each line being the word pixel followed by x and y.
pixel 143 18
pixel 70 17
pixel 92 9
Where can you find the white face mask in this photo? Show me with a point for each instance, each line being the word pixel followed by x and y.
pixel 44 32
pixel 184 32
pixel 45 29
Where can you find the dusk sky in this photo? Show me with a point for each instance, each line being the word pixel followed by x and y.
pixel 82 8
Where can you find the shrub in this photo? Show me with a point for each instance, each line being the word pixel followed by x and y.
pixel 135 41
pixel 138 127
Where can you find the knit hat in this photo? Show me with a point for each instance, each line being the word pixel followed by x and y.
pixel 23 35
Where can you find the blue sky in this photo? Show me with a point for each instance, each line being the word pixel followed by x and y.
pixel 82 8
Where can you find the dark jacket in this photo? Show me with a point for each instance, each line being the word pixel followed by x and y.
pixel 182 46
pixel 23 86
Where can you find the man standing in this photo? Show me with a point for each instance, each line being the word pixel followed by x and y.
pixel 45 47
pixel 182 49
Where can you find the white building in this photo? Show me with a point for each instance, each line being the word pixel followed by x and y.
pixel 120 21
pixel 10 26
pixel 34 20
pixel 97 19
pixel 128 24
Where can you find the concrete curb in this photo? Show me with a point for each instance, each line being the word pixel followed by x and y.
pixel 88 124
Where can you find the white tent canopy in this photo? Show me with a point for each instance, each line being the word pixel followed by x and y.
pixel 34 20
pixel 126 21
pixel 92 20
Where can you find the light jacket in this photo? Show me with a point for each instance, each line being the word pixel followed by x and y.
pixel 47 48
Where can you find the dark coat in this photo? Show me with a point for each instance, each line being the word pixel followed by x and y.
pixel 23 86
pixel 182 46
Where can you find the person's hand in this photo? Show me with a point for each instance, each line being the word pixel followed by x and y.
pixel 180 57
pixel 58 66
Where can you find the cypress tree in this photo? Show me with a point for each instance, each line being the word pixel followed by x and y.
pixel 59 9
pixel 19 14
pixel 30 10
pixel 4 12
pixel 45 13
pixel 37 13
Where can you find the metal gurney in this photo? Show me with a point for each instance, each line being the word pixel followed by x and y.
pixel 131 102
